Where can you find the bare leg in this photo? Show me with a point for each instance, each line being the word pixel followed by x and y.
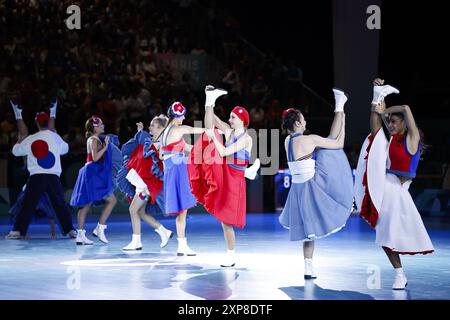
pixel 336 126
pixel 81 216
pixel 110 204
pixel 149 219
pixel 230 237
pixel 308 249
pixel 135 207
pixel 181 224
pixel 394 258
pixel 209 117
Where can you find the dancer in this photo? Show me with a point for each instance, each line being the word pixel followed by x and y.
pixel 217 171
pixel 43 208
pixel 94 183
pixel 177 192
pixel 140 178
pixel 43 150
pixel 384 173
pixel 321 196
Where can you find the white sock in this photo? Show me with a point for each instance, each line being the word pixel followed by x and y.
pixel 161 228
pixel 137 237
pixel 17 111
pixel 308 260
pixel 230 251
pixel 399 271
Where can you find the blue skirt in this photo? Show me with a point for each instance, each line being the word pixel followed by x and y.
pixel 320 206
pixel 43 208
pixel 94 182
pixel 177 189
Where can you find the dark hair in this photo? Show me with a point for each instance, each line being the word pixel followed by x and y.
pixel 89 126
pixel 422 137
pixel 290 118
pixel 43 124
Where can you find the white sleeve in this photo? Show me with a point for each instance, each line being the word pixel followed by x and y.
pixel 21 149
pixel 63 146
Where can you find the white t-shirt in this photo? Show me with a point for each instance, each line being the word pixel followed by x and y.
pixel 43 150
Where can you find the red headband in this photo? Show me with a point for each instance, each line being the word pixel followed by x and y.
pixel 242 114
pixel 285 112
pixel 96 121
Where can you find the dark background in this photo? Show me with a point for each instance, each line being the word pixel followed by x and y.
pixel 413 56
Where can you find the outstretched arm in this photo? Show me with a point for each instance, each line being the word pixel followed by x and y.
pixel 21 126
pixel 190 130
pixel 231 149
pixel 327 143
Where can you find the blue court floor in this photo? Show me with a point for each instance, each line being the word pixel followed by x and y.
pixel 269 267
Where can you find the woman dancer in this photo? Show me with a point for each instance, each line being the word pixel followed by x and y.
pixel 217 171
pixel 95 182
pixel 140 178
pixel 321 196
pixel 177 192
pixel 384 174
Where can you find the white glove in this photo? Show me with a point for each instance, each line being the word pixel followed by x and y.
pixel 53 109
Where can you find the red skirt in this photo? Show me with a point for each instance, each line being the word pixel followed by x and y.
pixel 143 167
pixel 220 188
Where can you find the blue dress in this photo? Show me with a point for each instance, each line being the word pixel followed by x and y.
pixel 176 189
pixel 94 182
pixel 44 207
pixel 321 200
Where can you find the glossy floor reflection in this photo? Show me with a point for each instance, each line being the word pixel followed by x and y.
pixel 270 267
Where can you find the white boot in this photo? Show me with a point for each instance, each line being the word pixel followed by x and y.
pixel 135 243
pixel 250 172
pixel 212 94
pixel 229 260
pixel 340 99
pixel 381 92
pixel 82 239
pixel 400 281
pixel 99 232
pixel 17 110
pixel 183 248
pixel 309 270
pixel 164 234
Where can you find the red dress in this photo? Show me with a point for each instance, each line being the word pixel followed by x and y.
pixel 219 185
pixel 143 167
